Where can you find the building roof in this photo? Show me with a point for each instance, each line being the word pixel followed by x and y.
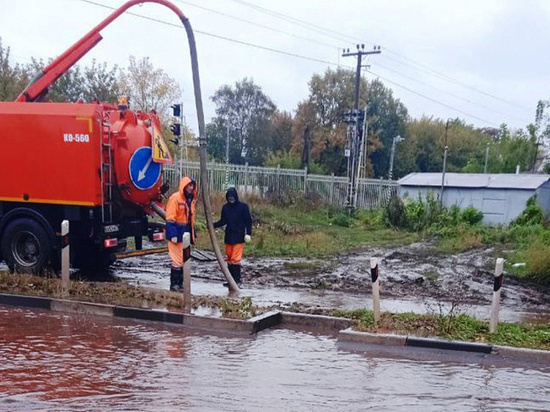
pixel 476 180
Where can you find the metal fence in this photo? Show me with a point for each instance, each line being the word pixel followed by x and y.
pixel 266 181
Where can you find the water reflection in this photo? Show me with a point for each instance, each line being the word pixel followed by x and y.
pixel 53 361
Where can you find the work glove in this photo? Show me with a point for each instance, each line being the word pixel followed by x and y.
pixel 174 239
pixel 247 239
pixel 186 240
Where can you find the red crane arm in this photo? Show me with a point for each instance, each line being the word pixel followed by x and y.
pixel 72 55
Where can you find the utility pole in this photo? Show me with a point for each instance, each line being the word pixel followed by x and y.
pixel 444 165
pixel 355 134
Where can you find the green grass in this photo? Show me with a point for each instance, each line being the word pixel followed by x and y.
pixel 299 231
pixel 452 327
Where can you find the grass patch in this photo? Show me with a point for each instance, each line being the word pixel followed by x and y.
pixel 121 294
pixel 460 327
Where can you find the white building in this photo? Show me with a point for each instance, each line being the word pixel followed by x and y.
pixel 500 197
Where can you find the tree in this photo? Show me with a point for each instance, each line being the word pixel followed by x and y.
pixel 331 96
pixel 12 79
pixel 387 118
pixel 101 83
pixel 246 113
pixel 149 89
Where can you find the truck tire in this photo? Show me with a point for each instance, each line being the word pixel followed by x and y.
pixel 26 246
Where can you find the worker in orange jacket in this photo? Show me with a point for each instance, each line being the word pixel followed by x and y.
pixel 180 228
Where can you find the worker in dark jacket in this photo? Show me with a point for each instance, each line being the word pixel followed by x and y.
pixel 238 230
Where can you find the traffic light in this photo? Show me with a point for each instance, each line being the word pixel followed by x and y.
pixel 176 129
pixel 176 108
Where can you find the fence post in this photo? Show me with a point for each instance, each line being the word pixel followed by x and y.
pixel 65 258
pixel 331 189
pixel 497 289
pixel 374 272
pixel 305 181
pixel 246 178
pixel 278 178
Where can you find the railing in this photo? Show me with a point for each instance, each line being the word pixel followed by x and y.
pixel 265 181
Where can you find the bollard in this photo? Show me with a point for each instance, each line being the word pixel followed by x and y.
pixel 65 258
pixel 497 288
pixel 375 288
pixel 187 286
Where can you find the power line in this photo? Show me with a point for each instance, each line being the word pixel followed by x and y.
pixel 345 36
pixel 295 55
pixel 450 94
pixel 263 26
pixel 217 36
pixel 432 100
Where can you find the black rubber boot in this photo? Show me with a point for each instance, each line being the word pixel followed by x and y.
pixel 237 274
pixel 180 278
pixel 175 283
pixel 231 269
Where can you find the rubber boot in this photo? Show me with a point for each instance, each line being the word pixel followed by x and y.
pixel 175 284
pixel 231 269
pixel 180 278
pixel 237 274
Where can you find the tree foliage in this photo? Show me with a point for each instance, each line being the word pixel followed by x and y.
pixel 12 78
pixel 331 96
pixel 248 116
pixel 149 89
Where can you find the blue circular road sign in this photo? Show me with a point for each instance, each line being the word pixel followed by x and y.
pixel 143 171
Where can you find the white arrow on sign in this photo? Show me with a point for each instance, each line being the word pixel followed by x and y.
pixel 141 174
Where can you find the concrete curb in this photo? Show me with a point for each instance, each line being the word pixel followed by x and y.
pixel 268 320
pixel 250 326
pixel 350 335
pixel 328 323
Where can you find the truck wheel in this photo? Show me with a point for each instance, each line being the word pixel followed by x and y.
pixel 26 246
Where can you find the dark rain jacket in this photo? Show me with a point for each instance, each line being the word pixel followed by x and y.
pixel 237 218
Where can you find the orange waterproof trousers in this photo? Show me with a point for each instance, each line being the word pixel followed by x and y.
pixel 178 254
pixel 234 253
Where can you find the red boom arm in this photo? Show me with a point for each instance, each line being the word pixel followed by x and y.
pixel 71 56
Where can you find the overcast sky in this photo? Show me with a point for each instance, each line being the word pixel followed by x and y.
pixel 483 61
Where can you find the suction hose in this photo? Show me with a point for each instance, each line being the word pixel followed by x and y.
pixel 203 156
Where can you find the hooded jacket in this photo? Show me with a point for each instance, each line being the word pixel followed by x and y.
pixel 237 217
pixel 180 212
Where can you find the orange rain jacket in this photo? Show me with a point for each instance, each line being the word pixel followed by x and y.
pixel 180 215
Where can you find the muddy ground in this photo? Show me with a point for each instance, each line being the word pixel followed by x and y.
pixel 415 273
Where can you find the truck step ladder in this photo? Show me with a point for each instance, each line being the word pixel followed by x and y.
pixel 107 174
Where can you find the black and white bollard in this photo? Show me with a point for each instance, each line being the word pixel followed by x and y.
pixel 65 258
pixel 375 288
pixel 497 288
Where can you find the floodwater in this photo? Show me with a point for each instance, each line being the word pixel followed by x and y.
pixel 153 271
pixel 66 362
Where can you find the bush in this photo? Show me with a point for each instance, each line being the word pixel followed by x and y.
pixel 471 215
pixel 532 215
pixel 395 214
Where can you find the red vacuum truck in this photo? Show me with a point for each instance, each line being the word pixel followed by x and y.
pixel 97 165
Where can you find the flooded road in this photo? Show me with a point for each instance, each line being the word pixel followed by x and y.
pixel 61 362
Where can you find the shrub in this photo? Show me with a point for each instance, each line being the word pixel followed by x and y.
pixel 532 215
pixel 395 214
pixel 471 215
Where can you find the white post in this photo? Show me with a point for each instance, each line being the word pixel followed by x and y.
pixel 375 288
pixel 497 288
pixel 187 286
pixel 65 258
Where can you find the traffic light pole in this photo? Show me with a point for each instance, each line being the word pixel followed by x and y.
pixel 355 134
